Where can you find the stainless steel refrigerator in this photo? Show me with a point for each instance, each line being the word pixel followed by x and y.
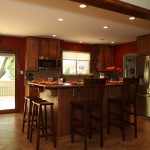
pixel 143 72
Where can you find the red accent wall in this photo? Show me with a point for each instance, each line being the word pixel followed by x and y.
pixel 76 46
pixel 16 43
pixel 123 49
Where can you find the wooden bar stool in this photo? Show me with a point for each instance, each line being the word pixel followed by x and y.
pixel 126 101
pixel 27 112
pixel 84 121
pixel 42 125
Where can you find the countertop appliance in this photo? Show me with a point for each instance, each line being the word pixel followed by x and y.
pixel 143 72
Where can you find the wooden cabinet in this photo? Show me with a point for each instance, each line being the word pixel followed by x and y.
pixel 55 48
pixel 49 48
pixel 44 47
pixel 105 57
pixel 31 54
pixel 109 54
pixel 143 45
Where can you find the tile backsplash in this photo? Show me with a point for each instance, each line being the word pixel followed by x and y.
pixel 42 73
pixel 52 73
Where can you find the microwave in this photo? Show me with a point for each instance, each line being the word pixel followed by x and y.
pixel 49 63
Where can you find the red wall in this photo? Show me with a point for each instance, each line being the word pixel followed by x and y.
pixel 121 50
pixel 16 43
pixel 76 46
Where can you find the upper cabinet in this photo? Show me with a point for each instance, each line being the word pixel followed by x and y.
pixel 43 47
pixel 49 48
pixel 55 48
pixel 40 47
pixel 143 45
pixel 105 57
pixel 31 54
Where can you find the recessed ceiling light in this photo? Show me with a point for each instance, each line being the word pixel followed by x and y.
pixel 112 42
pixel 132 18
pixel 54 35
pixel 82 6
pixel 60 19
pixel 105 27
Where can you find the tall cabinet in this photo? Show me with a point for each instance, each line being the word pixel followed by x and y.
pixel 31 54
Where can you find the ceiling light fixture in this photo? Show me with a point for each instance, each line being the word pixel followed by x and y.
pixel 82 6
pixel 112 42
pixel 131 18
pixel 54 35
pixel 60 19
pixel 105 27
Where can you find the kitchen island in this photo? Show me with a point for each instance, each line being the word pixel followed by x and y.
pixel 61 95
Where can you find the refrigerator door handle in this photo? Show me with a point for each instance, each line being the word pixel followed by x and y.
pixel 147 73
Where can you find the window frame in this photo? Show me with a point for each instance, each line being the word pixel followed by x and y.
pixel 76 74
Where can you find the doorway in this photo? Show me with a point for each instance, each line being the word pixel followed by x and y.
pixel 9 80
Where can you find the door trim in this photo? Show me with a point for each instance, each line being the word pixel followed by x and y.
pixel 17 78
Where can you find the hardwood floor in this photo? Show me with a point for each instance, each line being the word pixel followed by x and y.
pixel 11 137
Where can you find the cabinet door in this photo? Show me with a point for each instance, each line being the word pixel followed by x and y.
pixel 105 57
pixel 101 59
pixel 31 54
pixel 44 47
pixel 54 49
pixel 143 45
pixel 109 53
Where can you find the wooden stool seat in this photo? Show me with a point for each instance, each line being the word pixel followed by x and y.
pixel 42 118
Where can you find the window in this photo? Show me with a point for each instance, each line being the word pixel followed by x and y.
pixel 76 62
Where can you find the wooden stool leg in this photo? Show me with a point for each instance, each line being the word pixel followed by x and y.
pixel 85 131
pixel 53 125
pixel 123 125
pixel 32 120
pixel 45 123
pixel 41 120
pixel 90 124
pixel 38 127
pixel 108 118
pixel 72 133
pixel 101 130
pixel 29 118
pixel 24 115
pixel 135 123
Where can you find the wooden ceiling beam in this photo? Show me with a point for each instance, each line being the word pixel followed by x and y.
pixel 118 6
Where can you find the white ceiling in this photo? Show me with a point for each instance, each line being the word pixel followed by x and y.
pixel 140 3
pixel 39 18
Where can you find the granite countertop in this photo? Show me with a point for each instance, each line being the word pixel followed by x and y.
pixel 68 85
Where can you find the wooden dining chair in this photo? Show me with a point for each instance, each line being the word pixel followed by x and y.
pixel 83 117
pixel 126 101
